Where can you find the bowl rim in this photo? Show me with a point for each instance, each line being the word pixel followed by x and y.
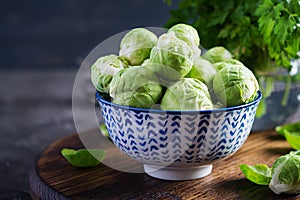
pixel 147 110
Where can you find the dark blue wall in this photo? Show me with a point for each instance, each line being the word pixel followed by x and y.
pixel 60 33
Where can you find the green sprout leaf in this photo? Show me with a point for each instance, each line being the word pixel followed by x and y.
pixel 83 157
pixel 291 132
pixel 103 130
pixel 280 130
pixel 292 127
pixel 259 174
pixel 293 138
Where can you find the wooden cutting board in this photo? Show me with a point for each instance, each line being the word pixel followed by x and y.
pixel 54 178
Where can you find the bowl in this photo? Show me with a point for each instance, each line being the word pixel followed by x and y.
pixel 178 145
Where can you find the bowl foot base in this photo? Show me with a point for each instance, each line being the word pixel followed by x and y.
pixel 177 173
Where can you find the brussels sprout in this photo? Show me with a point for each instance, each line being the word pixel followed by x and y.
pixel 187 94
pixel 203 70
pixel 286 174
pixel 174 58
pixel 103 70
pixel 226 63
pixel 136 87
pixel 188 34
pixel 136 45
pixel 235 85
pixel 217 54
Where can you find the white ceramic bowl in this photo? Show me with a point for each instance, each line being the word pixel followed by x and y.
pixel 178 145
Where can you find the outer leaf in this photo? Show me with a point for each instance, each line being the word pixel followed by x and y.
pixel 83 157
pixel 259 174
pixel 295 152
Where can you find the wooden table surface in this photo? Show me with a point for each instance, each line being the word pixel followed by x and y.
pixel 54 178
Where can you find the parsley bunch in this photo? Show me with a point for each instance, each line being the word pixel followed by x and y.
pixel 262 34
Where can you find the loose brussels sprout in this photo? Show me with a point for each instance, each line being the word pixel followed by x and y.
pixel 136 87
pixel 226 63
pixel 203 70
pixel 286 174
pixel 174 57
pixel 103 70
pixel 136 45
pixel 188 34
pixel 235 85
pixel 217 54
pixel 187 94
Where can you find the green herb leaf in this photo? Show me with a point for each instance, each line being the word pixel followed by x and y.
pixel 264 8
pixel 259 174
pixel 266 25
pixel 83 157
pixel 234 24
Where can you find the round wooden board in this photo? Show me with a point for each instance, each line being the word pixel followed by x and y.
pixel 54 178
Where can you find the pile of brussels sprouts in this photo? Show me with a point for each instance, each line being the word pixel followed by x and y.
pixel 170 70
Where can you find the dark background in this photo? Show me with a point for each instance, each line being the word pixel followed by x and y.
pixel 42 44
pixel 60 33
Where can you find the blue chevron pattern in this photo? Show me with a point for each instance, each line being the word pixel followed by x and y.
pixel 188 139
